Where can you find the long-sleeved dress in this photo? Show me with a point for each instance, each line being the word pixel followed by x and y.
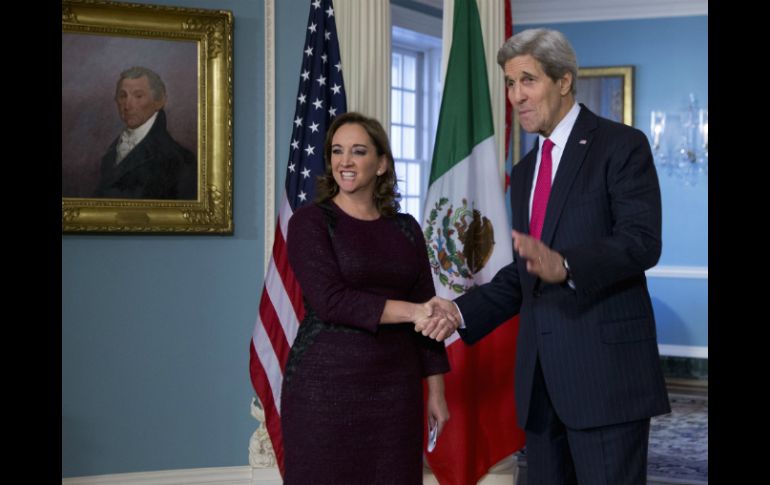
pixel 351 402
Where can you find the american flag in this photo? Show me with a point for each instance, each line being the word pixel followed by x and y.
pixel 320 97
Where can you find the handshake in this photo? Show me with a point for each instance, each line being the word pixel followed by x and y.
pixel 437 318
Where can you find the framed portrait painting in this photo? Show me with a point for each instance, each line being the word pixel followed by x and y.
pixel 607 91
pixel 146 118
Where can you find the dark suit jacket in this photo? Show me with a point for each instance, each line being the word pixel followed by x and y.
pixel 157 168
pixel 596 344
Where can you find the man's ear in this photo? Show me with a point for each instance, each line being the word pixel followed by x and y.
pixel 566 83
pixel 159 104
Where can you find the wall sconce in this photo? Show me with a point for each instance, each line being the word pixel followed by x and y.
pixel 680 142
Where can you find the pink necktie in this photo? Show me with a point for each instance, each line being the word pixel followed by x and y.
pixel 542 191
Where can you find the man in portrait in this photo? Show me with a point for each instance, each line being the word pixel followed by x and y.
pixel 144 161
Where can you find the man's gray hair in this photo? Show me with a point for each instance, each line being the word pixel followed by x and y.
pixel 549 47
pixel 157 88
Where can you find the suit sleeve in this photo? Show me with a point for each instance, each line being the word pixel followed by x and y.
pixel 313 260
pixel 433 354
pixel 487 306
pixel 634 241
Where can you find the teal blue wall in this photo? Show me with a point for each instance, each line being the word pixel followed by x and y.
pixel 670 57
pixel 156 329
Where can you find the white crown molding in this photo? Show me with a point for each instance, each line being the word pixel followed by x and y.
pixel 683 351
pixel 686 272
pixel 557 11
pixel 416 21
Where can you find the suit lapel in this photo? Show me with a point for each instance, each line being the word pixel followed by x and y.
pixel 520 191
pixel 575 151
pixel 141 154
pixel 521 187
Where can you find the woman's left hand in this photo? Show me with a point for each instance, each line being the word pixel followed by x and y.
pixel 438 412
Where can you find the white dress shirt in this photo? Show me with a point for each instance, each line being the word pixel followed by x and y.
pixel 559 138
pixel 132 137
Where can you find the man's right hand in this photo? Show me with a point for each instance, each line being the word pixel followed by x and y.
pixel 442 323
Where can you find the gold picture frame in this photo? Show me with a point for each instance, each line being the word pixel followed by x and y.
pixel 607 91
pixel 191 52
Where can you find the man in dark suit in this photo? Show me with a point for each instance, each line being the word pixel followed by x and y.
pixel 586 217
pixel 144 162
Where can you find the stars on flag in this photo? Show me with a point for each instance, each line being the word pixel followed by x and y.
pixel 320 97
pixel 309 129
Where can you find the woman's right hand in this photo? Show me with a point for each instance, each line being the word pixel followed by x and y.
pixel 436 319
pixel 423 314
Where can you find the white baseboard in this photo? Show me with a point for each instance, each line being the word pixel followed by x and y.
pixel 488 479
pixel 238 475
pixel 266 476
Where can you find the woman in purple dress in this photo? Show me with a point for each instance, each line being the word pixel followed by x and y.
pixel 352 396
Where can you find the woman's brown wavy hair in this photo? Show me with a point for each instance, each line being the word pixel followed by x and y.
pixel 385 187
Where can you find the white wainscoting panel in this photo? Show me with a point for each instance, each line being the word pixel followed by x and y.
pixel 683 351
pixel 686 272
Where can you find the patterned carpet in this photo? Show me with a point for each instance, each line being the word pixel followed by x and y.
pixel 678 452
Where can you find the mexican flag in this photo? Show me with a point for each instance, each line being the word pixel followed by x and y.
pixel 469 239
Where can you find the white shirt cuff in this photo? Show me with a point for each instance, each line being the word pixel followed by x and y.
pixel 462 320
